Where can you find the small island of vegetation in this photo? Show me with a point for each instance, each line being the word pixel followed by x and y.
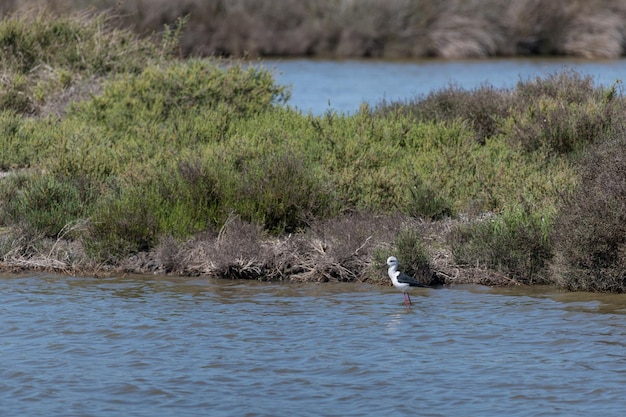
pixel 117 155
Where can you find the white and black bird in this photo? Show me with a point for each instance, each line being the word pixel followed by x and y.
pixel 401 281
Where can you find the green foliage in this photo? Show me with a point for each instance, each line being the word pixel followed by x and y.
pixel 168 92
pixel 42 204
pixel 155 147
pixel 190 197
pixel 42 56
pixel 11 150
pixel 483 109
pixel 409 246
pixel 123 224
pixel 79 43
pixel 177 200
pixel 280 191
pixel 515 243
pixel 413 253
pixel 426 203
pixel 563 113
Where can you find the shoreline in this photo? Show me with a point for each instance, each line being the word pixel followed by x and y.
pixel 292 258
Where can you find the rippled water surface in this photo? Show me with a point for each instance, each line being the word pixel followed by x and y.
pixel 137 346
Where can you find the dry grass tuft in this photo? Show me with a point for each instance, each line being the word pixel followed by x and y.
pixel 20 251
pixel 338 249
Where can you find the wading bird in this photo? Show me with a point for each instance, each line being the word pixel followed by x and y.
pixel 401 281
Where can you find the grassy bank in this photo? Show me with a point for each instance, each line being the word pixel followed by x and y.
pixel 196 167
pixel 375 28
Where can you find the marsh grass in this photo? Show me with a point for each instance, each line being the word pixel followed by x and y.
pixel 195 167
pixel 42 57
pixel 516 243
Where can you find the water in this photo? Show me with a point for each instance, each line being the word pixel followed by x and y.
pixel 149 346
pixel 319 86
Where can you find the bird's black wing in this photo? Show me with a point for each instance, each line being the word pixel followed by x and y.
pixel 406 279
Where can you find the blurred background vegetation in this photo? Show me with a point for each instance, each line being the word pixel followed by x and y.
pixel 372 28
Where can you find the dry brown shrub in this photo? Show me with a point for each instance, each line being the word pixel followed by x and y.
pixel 537 26
pixel 590 233
pixel 21 251
pixel 338 249
pixel 341 249
pixel 238 251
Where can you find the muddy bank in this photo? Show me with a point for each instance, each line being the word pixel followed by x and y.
pixel 351 248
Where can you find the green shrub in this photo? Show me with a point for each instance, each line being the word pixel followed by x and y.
pixel 191 197
pixel 10 149
pixel 16 95
pixel 159 148
pixel 42 55
pixel 424 202
pixel 411 251
pixel 43 205
pixel 81 43
pixel 483 108
pixel 564 112
pixel 280 190
pixel 123 224
pixel 178 199
pixel 590 233
pixel 515 243
pixel 169 91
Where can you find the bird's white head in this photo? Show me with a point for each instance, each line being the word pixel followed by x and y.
pixel 392 261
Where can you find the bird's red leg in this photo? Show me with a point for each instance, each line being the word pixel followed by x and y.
pixel 409 297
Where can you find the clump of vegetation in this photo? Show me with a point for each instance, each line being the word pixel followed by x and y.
pixel 44 59
pixel 516 244
pixel 483 109
pixel 195 167
pixel 43 204
pixel 590 234
pixel 564 112
pixel 410 247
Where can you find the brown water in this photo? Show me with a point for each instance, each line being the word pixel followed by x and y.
pixel 137 346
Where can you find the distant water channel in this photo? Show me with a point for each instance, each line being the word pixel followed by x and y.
pixel 149 346
pixel 319 86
